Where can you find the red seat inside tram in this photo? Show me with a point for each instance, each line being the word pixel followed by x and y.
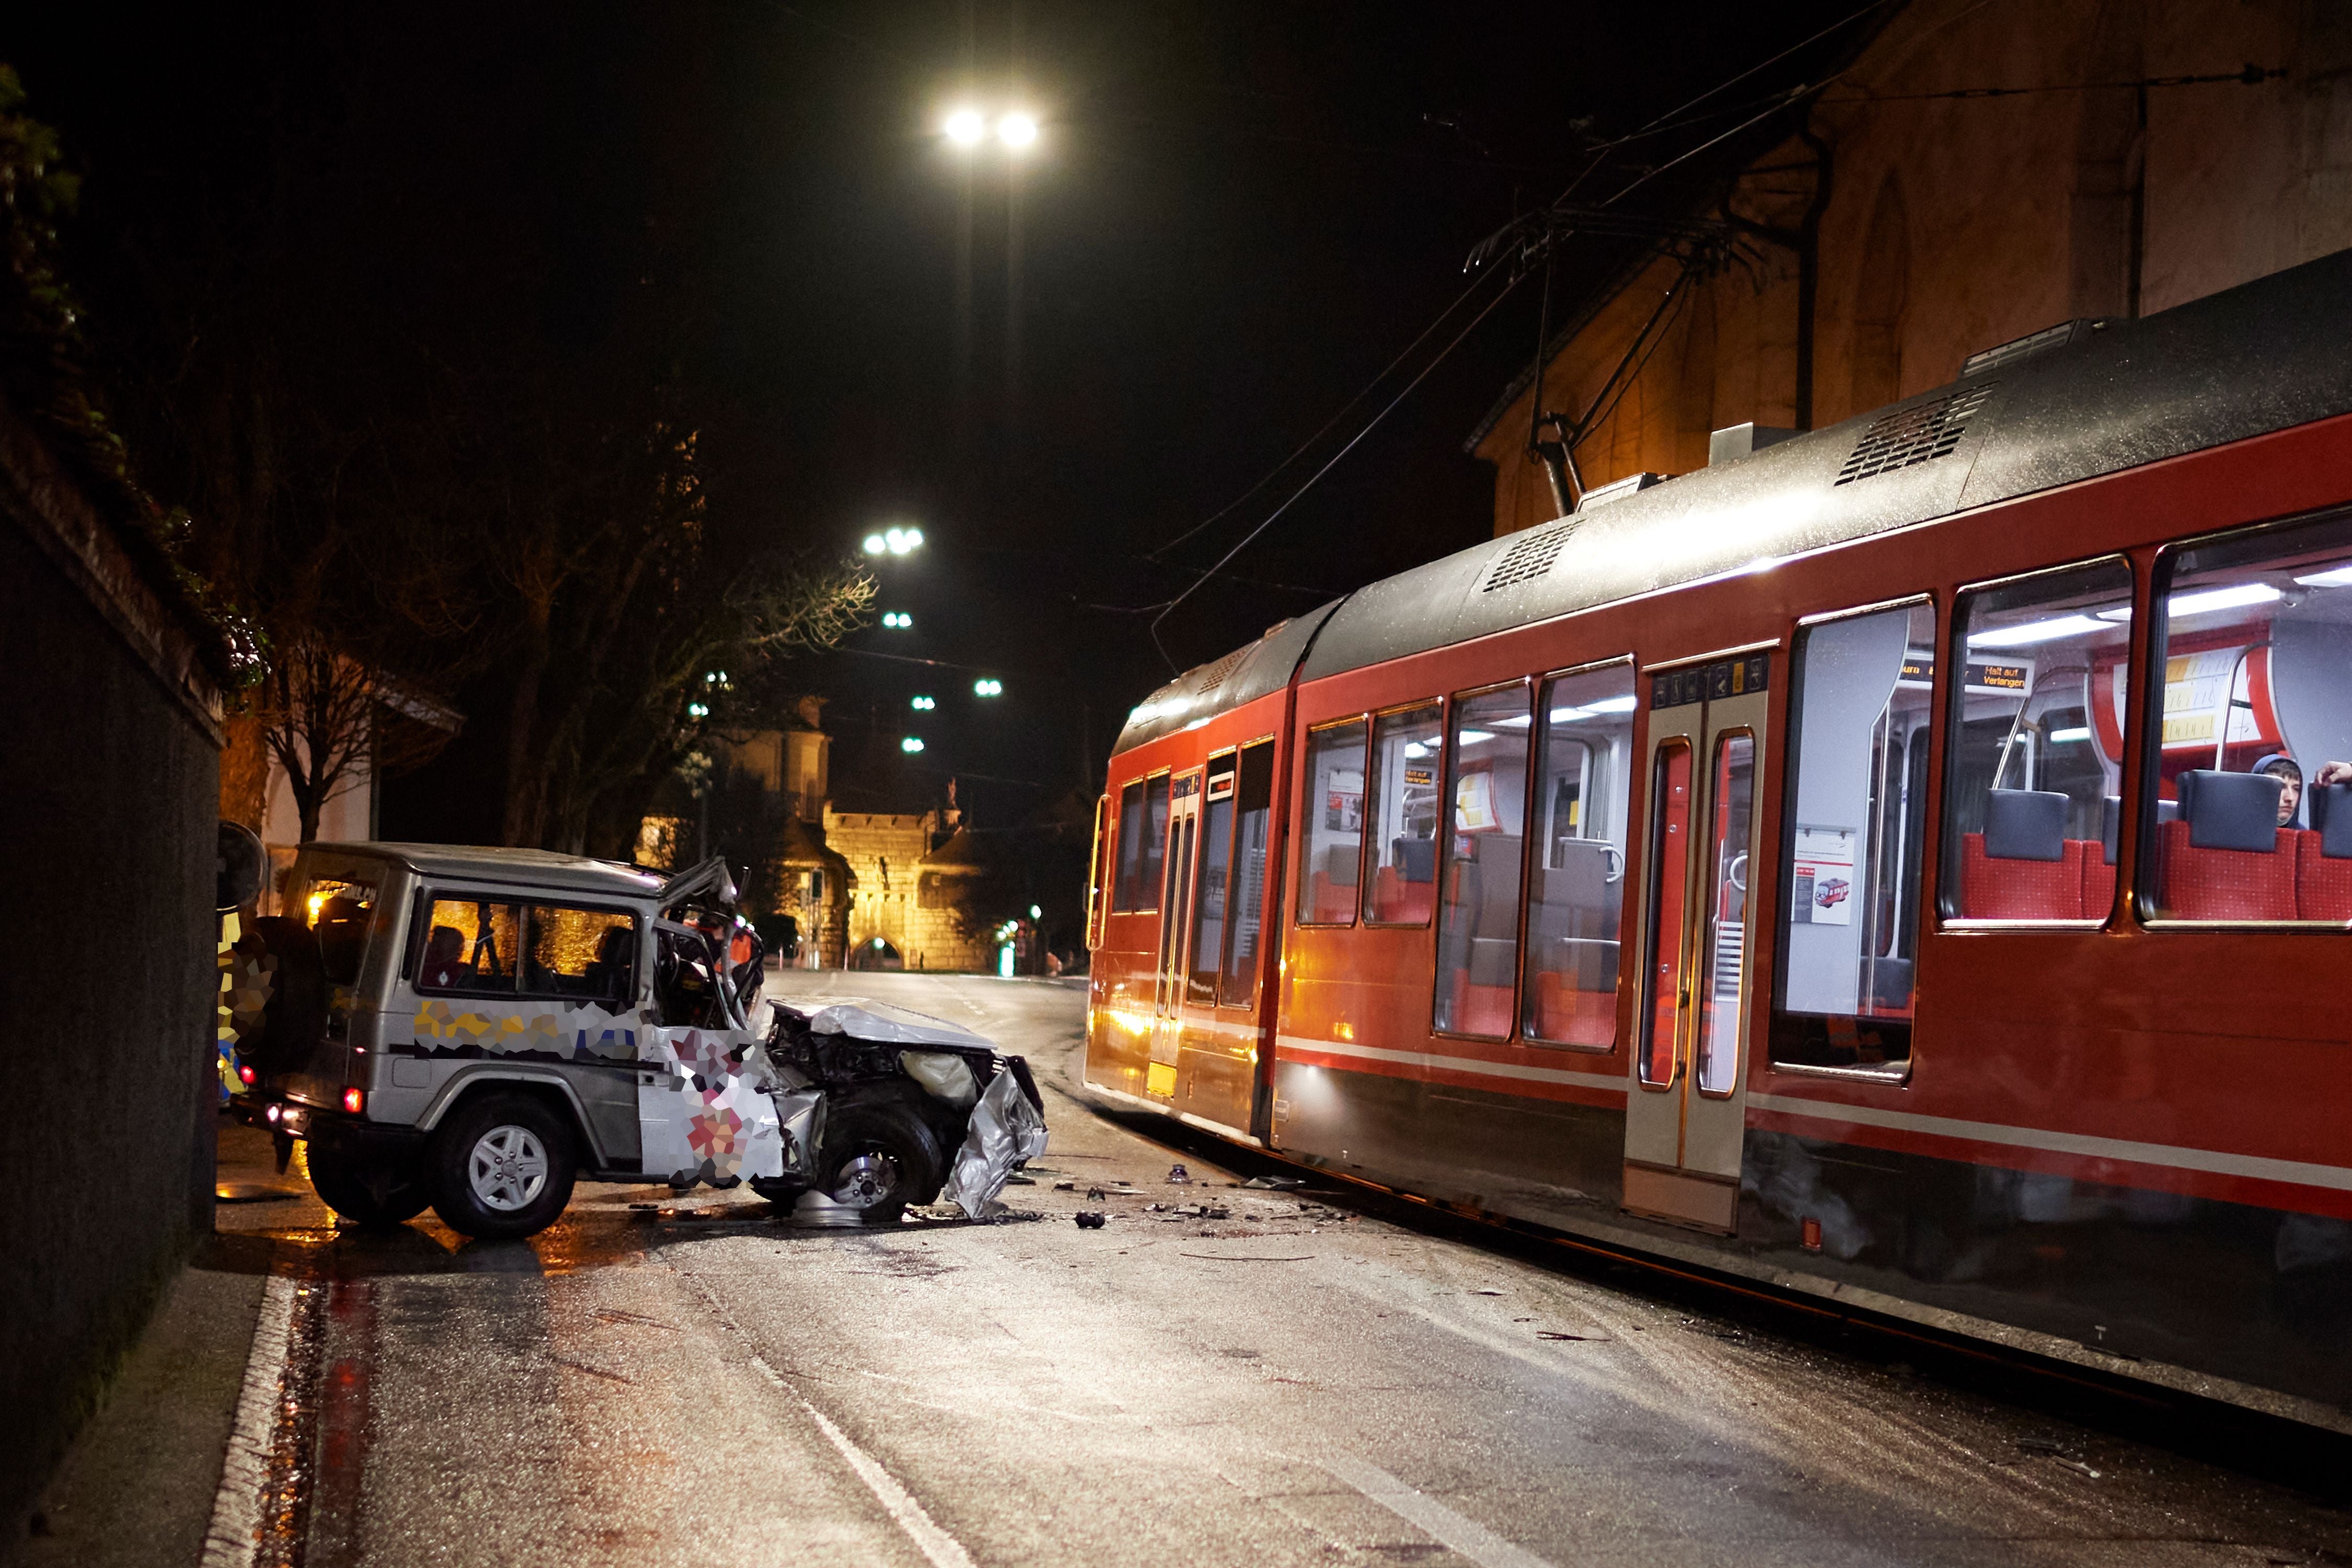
pixel 1405 890
pixel 2022 867
pixel 2323 857
pixel 1572 938
pixel 1489 885
pixel 2225 857
pixel 2099 862
pixel 1331 890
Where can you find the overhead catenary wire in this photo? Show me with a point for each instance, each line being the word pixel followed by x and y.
pixel 1773 104
pixel 1288 502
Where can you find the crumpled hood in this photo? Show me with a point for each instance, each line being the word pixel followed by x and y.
pixel 861 1019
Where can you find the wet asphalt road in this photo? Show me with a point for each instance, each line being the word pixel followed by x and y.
pixel 1290 1384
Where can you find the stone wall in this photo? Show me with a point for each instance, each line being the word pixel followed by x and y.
pixel 111 784
pixel 1954 224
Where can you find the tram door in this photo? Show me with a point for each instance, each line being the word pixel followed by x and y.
pixel 1175 920
pixel 1685 1112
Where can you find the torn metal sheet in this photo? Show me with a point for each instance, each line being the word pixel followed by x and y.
pixel 1005 1131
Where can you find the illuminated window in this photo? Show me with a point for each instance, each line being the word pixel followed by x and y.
pixel 1331 826
pixel 2036 746
pixel 1478 922
pixel 1576 886
pixel 1402 818
pixel 1856 811
pixel 2248 813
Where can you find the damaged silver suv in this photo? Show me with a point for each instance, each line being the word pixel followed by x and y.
pixel 477 1029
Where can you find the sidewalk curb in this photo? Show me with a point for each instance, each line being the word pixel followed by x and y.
pixel 235 1535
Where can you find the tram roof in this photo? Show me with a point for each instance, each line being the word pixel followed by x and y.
pixel 2261 357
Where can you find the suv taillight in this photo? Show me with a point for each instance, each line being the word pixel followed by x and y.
pixel 353 1100
pixel 244 1074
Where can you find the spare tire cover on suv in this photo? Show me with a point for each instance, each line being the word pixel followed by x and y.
pixel 278 998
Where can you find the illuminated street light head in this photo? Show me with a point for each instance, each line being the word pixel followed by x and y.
pixel 876 544
pixel 898 619
pixel 1017 130
pixel 911 744
pixel 965 127
pixel 923 704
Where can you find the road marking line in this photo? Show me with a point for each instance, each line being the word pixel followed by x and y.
pixel 1472 1539
pixel 233 1537
pixel 935 1545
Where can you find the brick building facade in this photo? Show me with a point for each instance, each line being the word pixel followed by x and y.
pixel 1946 225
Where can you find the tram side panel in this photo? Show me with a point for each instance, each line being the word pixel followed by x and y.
pixel 1402 909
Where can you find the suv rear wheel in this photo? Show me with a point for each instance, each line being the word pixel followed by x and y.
pixel 500 1166
pixel 377 1194
pixel 879 1158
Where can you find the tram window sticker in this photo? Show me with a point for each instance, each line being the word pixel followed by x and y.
pixel 1343 800
pixel 1822 874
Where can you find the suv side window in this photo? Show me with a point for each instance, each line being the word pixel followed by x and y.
pixel 584 954
pixel 470 946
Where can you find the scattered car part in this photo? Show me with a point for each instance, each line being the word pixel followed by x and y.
pixel 1006 1131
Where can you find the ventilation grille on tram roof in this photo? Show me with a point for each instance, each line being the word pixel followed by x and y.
pixel 1530 556
pixel 1920 434
pixel 1222 668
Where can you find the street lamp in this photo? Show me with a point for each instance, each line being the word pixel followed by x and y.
pixel 923 704
pixel 912 744
pixel 1017 132
pixel 966 127
pixel 895 541
pixel 898 619
pixel 986 688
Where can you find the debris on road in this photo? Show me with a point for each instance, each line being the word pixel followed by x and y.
pixel 1069 1187
pixel 1089 1220
pixel 1179 1176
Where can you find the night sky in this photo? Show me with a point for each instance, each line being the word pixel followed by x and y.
pixel 1236 216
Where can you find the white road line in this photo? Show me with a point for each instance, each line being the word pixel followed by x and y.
pixel 1472 1539
pixel 235 1534
pixel 935 1545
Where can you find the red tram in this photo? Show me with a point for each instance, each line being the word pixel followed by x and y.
pixel 1911 864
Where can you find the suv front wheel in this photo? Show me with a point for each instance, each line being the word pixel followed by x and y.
pixel 500 1166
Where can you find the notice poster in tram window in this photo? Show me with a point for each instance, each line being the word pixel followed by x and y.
pixel 1474 804
pixel 1822 871
pixel 1343 800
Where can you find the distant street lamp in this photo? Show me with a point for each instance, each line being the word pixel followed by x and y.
pixel 898 619
pixel 985 688
pixel 923 704
pixel 1017 130
pixel 911 744
pixel 966 127
pixel 895 541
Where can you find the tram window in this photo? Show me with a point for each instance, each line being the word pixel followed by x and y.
pixel 1669 878
pixel 1479 916
pixel 1576 884
pixel 1850 860
pixel 2249 814
pixel 1402 885
pixel 1098 871
pixel 1213 885
pixel 1245 912
pixel 1142 844
pixel 1331 837
pixel 1126 883
pixel 2035 746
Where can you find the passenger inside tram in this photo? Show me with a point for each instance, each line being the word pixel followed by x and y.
pixel 1583 724
pixel 2257 639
